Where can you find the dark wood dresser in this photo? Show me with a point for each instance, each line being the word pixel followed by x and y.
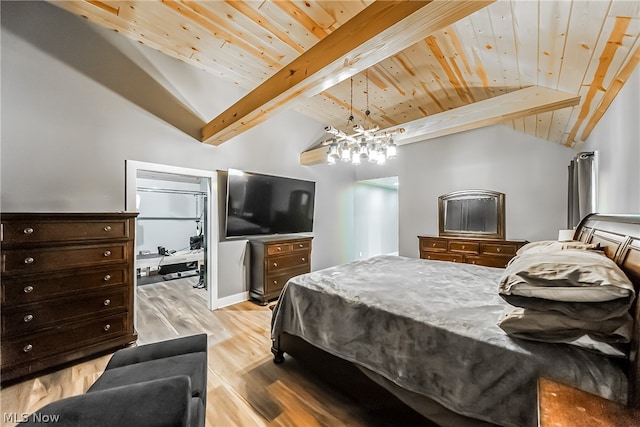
pixel 67 288
pixel 274 260
pixel 492 253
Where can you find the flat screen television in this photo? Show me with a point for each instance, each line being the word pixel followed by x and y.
pixel 260 204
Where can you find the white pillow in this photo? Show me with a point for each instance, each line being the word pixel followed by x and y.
pixel 555 245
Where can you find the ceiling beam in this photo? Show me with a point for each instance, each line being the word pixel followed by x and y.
pixel 513 105
pixel 378 32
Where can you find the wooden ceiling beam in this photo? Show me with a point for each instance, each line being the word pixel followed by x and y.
pixel 513 105
pixel 510 106
pixel 381 30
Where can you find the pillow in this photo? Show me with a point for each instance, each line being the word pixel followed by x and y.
pixel 553 327
pixel 581 284
pixel 555 245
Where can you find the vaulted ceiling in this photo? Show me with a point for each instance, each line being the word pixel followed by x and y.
pixel 546 68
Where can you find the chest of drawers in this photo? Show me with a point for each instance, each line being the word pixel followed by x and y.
pixel 491 253
pixel 274 261
pixel 66 290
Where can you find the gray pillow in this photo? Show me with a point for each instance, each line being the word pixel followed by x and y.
pixel 554 327
pixel 581 284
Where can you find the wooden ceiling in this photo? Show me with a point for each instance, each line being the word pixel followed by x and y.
pixel 546 68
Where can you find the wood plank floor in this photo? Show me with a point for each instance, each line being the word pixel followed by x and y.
pixel 245 387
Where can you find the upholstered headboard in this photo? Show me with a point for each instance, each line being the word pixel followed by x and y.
pixel 619 235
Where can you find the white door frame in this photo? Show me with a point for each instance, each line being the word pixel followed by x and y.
pixel 131 173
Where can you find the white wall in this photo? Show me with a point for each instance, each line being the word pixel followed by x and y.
pixel 375 220
pixel 68 125
pixel 167 218
pixel 617 138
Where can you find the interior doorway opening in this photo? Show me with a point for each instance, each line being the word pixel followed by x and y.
pixel 176 234
pixel 171 227
pixel 376 217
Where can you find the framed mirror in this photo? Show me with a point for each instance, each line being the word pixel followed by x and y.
pixel 472 213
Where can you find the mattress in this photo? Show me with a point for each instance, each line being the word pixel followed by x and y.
pixel 430 328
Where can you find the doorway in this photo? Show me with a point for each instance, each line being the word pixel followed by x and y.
pixel 192 194
pixel 376 217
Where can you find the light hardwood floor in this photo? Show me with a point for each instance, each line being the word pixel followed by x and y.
pixel 245 387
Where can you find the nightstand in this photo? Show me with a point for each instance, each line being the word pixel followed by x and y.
pixel 564 406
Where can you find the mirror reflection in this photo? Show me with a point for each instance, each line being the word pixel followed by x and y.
pixel 472 213
pixel 478 214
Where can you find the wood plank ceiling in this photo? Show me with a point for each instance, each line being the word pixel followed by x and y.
pixel 585 48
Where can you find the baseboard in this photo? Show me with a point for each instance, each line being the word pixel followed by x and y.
pixel 233 299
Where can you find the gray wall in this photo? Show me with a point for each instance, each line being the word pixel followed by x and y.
pixel 531 173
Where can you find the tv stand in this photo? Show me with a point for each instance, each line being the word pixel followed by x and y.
pixel 274 260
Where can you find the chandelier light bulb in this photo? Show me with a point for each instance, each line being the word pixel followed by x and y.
pixel 392 149
pixel 345 154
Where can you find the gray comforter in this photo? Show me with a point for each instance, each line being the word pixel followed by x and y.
pixel 430 327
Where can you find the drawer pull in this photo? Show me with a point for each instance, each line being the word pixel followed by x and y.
pixel 462 246
pixel 107 253
pixel 107 327
pixel 275 282
pixel 107 278
pixel 28 230
pixel 300 245
pixel 275 264
pixel 433 244
pixel 498 250
pixel 107 302
pixel 279 248
pixel 28 289
pixel 303 259
pixel 29 260
pixel 27 348
pixel 28 318
pixel 107 228
pixel 428 256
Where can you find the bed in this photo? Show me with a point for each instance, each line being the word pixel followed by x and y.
pixel 425 332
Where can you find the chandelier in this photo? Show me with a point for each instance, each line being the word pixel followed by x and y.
pixel 364 144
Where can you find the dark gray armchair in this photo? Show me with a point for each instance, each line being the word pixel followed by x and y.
pixel 160 384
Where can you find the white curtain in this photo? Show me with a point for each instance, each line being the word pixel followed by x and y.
pixel 583 186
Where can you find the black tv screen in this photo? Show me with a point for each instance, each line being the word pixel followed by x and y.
pixel 266 204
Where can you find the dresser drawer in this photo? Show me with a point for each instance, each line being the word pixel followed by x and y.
pixel 32 317
pixel 433 245
pixel 464 247
pixel 25 232
pixel 489 260
pixel 279 248
pixel 275 264
pixel 441 256
pixel 301 246
pixel 499 249
pixel 275 282
pixel 38 287
pixel 63 338
pixel 51 259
